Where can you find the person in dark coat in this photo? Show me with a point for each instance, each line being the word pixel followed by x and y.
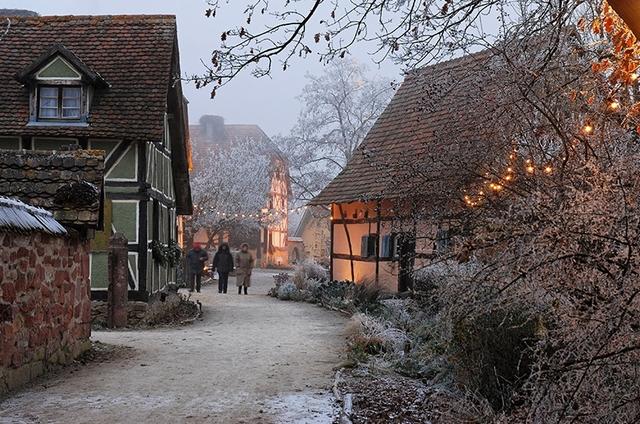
pixel 196 258
pixel 223 263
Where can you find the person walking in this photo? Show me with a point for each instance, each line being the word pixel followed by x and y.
pixel 244 265
pixel 196 258
pixel 223 263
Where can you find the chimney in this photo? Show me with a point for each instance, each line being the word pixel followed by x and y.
pixel 213 127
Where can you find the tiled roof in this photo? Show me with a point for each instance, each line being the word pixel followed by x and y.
pixel 232 133
pixel 433 138
pixel 17 216
pixel 67 183
pixel 132 53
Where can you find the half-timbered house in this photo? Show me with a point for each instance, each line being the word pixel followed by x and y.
pixel 398 200
pixel 107 83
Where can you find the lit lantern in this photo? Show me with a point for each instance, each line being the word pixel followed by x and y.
pixel 587 129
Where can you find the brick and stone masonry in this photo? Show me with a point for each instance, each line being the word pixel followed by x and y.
pixel 45 307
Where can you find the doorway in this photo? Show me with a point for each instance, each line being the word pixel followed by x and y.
pixel 406 254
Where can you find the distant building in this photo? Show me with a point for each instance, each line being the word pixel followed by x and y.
pixel 270 241
pixel 110 84
pixel 314 235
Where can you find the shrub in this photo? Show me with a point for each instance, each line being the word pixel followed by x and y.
pixel 309 270
pixel 286 291
pixel 366 296
pixel 372 335
pixel 493 353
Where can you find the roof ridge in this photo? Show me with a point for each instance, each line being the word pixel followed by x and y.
pixel 116 18
pixel 453 62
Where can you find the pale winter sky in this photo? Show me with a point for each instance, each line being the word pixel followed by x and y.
pixel 268 102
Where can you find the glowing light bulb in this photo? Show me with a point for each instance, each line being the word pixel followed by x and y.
pixel 530 169
pixel 587 129
pixel 614 105
pixel 548 169
pixel 634 77
pixel 508 178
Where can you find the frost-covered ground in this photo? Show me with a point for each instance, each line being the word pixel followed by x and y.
pixel 253 359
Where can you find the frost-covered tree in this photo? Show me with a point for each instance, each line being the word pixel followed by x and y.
pixel 554 231
pixel 230 185
pixel 339 108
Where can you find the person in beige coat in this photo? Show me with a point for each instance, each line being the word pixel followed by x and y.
pixel 244 265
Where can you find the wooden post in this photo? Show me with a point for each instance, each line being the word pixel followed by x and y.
pixel 118 270
pixel 346 230
pixel 378 246
pixel 331 241
pixel 629 11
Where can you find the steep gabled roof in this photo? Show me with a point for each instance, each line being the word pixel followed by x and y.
pixel 433 137
pixel 134 54
pixel 89 75
pixel 67 183
pixel 222 134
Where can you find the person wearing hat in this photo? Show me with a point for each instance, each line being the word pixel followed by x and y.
pixel 244 265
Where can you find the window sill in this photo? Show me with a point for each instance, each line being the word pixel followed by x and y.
pixel 57 124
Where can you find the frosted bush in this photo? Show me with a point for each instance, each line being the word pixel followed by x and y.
pixel 287 291
pixel 309 270
pixel 369 327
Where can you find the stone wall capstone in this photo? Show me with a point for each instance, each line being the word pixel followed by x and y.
pixel 45 307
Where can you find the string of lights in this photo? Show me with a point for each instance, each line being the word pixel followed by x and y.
pixel 259 215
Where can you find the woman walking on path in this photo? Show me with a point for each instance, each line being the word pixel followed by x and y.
pixel 223 263
pixel 244 265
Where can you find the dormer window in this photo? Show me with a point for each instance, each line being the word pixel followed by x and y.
pixel 59 102
pixel 62 87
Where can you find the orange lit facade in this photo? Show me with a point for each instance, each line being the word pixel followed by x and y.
pixel 371 242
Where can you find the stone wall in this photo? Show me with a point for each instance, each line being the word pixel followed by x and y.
pixel 136 313
pixel 45 307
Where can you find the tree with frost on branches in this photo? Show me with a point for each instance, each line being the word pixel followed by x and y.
pixel 553 229
pixel 339 108
pixel 230 185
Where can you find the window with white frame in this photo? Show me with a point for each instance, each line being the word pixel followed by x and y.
pixel 59 102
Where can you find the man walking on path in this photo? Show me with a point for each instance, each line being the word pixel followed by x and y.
pixel 196 258
pixel 244 266
pixel 223 263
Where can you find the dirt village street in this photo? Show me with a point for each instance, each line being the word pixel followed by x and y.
pixel 251 359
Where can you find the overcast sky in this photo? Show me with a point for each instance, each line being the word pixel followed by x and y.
pixel 268 102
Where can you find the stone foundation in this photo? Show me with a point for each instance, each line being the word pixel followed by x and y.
pixel 136 312
pixel 45 308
